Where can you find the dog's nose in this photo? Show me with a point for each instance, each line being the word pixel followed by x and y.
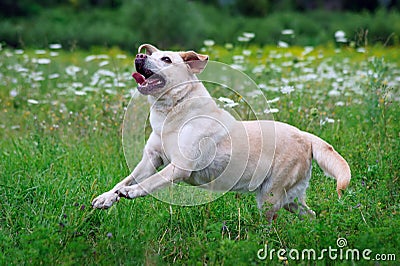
pixel 140 59
pixel 141 56
pixel 140 62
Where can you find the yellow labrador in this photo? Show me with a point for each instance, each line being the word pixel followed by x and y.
pixel 203 145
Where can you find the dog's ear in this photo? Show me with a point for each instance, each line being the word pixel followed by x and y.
pixel 150 49
pixel 197 62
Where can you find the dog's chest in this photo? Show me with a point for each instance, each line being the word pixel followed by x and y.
pixel 211 172
pixel 157 120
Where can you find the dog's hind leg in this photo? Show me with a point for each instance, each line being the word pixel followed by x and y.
pixel 295 200
pixel 271 213
pixel 301 209
pixel 298 191
pixel 270 203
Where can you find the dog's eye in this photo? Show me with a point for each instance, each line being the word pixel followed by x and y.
pixel 166 59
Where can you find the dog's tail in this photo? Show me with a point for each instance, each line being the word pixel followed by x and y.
pixel 330 161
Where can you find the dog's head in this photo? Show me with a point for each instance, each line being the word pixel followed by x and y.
pixel 159 70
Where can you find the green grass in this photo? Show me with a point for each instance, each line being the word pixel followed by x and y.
pixel 61 146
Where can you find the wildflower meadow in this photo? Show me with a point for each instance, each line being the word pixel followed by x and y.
pixel 61 120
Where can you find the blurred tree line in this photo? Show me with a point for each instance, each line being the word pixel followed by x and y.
pixel 256 8
pixel 263 7
pixel 182 23
pixel 11 8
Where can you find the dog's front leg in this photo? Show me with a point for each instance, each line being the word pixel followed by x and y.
pixel 143 170
pixel 169 175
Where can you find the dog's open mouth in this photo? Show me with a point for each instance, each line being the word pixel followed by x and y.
pixel 148 81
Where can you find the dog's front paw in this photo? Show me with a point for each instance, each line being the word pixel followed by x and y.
pixel 130 192
pixel 105 200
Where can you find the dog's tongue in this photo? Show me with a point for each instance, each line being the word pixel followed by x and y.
pixel 138 77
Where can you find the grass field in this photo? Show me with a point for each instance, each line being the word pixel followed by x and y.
pixel 60 125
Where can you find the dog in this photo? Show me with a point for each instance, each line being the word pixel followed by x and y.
pixel 201 144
